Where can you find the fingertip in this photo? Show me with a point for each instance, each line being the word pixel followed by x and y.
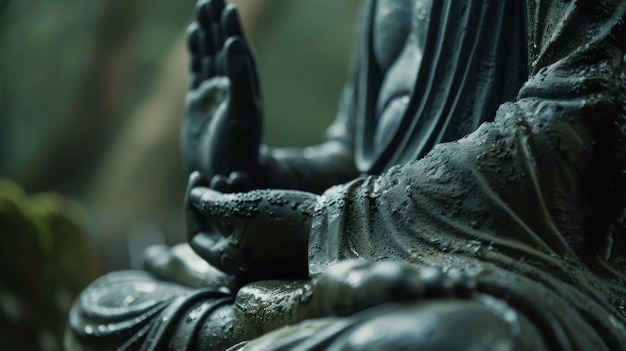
pixel 230 21
pixel 200 4
pixel 238 182
pixel 197 196
pixel 234 60
pixel 216 7
pixel 236 176
pixel 202 244
pixel 203 13
pixel 195 178
pixel 219 183
pixel 192 38
pixel 234 46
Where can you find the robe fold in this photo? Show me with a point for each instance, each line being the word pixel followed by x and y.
pixel 531 205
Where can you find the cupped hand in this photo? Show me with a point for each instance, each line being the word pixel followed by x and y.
pixel 262 234
pixel 223 116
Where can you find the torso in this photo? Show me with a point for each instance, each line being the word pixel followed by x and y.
pixel 398 39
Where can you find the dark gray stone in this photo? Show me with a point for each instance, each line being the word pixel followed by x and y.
pixel 470 194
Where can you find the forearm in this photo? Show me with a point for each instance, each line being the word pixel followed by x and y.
pixel 313 169
pixel 520 184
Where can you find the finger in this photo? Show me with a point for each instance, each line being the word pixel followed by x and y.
pixel 202 64
pixel 243 102
pixel 205 61
pixel 195 180
pixel 203 245
pixel 183 265
pixel 231 25
pixel 236 69
pixel 157 259
pixel 215 9
pixel 218 225
pixel 219 183
pixel 195 67
pixel 206 46
pixel 205 18
pixel 254 82
pixel 208 67
pixel 192 38
pixel 198 223
pixel 218 252
pixel 196 78
pixel 194 220
pixel 202 13
pixel 228 208
pixel 195 60
pixel 207 200
pixel 209 13
pixel 238 182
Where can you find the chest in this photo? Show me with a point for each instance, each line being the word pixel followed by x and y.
pixel 398 35
pixel 398 25
pixel 390 28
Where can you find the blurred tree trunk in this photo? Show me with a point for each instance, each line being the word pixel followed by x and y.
pixel 142 169
pixel 92 118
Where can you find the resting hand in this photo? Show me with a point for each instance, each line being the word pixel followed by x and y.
pixel 262 234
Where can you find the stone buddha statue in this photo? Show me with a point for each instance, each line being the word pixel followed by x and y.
pixel 470 194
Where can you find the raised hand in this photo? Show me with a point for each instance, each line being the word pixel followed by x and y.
pixel 262 234
pixel 223 119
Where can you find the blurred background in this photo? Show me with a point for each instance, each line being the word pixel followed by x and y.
pixel 91 97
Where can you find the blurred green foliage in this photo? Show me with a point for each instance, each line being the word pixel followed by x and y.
pixel 303 61
pixel 45 260
pixel 70 71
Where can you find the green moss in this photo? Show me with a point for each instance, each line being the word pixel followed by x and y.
pixel 45 260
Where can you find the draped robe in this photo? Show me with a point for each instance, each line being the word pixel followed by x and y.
pixel 530 206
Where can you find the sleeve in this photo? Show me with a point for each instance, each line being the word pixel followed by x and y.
pixel 316 168
pixel 542 183
pixel 532 204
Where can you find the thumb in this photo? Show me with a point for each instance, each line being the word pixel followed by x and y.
pixel 225 206
pixel 209 201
